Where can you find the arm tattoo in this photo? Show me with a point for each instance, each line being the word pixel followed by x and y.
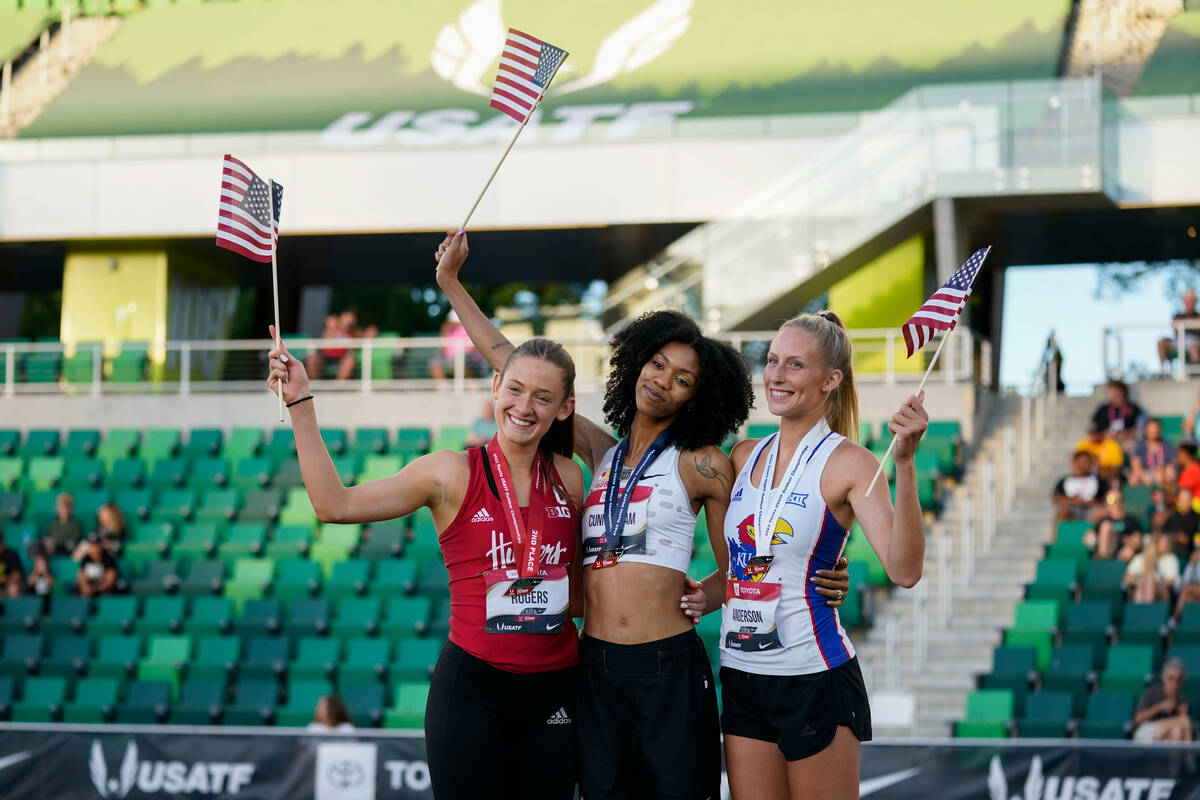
pixel 501 343
pixel 705 468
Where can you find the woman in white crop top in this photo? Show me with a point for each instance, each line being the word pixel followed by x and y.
pixel 647 712
pixel 794 705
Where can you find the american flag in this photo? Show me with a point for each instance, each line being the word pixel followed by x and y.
pixel 941 311
pixel 526 66
pixel 244 215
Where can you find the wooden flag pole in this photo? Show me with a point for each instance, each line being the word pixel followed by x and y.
pixel 920 388
pixel 508 149
pixel 275 287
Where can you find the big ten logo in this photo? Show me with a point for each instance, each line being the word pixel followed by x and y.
pixel 411 775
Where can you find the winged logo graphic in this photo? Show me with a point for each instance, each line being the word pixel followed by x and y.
pixel 119 786
pixel 466 50
pixel 997 783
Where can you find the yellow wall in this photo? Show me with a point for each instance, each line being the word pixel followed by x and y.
pixel 115 295
pixel 883 294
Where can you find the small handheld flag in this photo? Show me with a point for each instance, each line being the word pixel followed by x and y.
pixel 527 65
pixel 939 313
pixel 248 224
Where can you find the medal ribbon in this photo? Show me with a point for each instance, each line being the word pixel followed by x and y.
pixel 527 547
pixel 615 508
pixel 809 444
pixel 1154 456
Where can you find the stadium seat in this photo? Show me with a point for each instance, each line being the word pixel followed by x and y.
pixel 118 444
pixel 266 658
pixel 369 441
pixel 307 617
pixel 158 443
pixel 44 472
pixel 116 656
pixel 166 658
pixel 297 578
pixel 66 614
pixel 348 578
pixel 289 542
pixel 1072 670
pixel 415 659
pixel 261 505
pixel 203 576
pixel 219 505
pixel 210 616
pixel 366 660
pixel 208 473
pixel 134 503
pixel 1109 716
pixel 216 658
pixel 364 701
pixel 69 656
pixel 114 615
pixel 395 576
pixel 287 474
pixel 259 617
pixel 21 614
pixel 157 576
pixel 82 473
pixel 989 715
pixel 407 617
pixel 22 654
pixel 10 442
pixel 1104 580
pixel 384 540
pixel 243 443
pixel 41 701
pixel 12 505
pixel 1089 622
pixel 1128 669
pixel 413 441
pixel 1013 668
pixel 39 443
pixel 242 539
pixel 1145 623
pixel 356 616
pixel 174 505
pixel 8 690
pixel 161 615
pixel 252 473
pixel 81 443
pixel 254 702
pixel 316 659
pixel 376 467
pixel 328 556
pixel 200 702
pixel 1187 629
pixel 301 700
pixel 202 443
pixel 282 444
pixel 95 701
pixel 345 536
pixel 147 703
pixel 335 440
pixel 408 709
pixel 167 473
pixel 11 470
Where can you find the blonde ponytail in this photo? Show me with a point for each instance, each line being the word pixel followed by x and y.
pixel 841 406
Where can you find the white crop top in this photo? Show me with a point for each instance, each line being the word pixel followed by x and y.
pixel 660 524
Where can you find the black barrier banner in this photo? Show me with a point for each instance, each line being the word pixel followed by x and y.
pixel 100 762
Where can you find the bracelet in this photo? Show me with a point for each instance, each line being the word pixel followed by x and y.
pixel 301 400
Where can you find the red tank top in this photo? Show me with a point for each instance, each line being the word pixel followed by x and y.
pixel 477 541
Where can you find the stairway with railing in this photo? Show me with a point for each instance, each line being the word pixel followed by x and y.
pixel 821 220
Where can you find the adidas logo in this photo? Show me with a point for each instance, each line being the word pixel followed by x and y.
pixel 559 717
pixel 482 516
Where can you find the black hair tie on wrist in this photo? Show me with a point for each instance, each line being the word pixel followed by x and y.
pixel 301 400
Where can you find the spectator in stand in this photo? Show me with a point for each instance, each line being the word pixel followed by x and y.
pixel 41 579
pixel 442 365
pixel 1117 415
pixel 1105 451
pixel 1189 584
pixel 97 573
pixel 110 527
pixel 483 428
pixel 11 571
pixel 1190 428
pixel 1105 538
pixel 1151 457
pixel 1080 495
pixel 1162 713
pixel 1167 350
pixel 330 716
pixel 1153 573
pixel 1131 543
pixel 1053 355
pixel 63 533
pixel 1188 468
pixel 1182 524
pixel 337 326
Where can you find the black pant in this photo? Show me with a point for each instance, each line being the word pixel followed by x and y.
pixel 496 734
pixel 648 725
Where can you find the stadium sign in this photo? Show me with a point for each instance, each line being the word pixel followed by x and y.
pixel 1076 787
pixel 165 777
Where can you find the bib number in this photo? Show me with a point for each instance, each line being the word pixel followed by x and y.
pixel 748 617
pixel 527 605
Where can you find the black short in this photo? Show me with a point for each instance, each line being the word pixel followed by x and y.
pixel 800 713
pixel 498 734
pixel 648 723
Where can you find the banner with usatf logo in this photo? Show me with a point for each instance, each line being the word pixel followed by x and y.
pixel 91 762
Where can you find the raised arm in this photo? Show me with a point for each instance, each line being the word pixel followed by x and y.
pixel 427 481
pixel 591 441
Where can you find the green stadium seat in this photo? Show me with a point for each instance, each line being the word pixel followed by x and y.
pixel 69 656
pixel 1056 580
pixel 328 556
pixel 114 614
pixel 1072 670
pixel 408 709
pixel 200 703
pixel 347 468
pixel 290 541
pixel 1013 668
pixel 1129 668
pixel 415 659
pixel 166 658
pixel 297 578
pixel 282 444
pixel 1089 622
pixel 261 505
pixel 209 472
pixel 348 578
pixel 288 475
pixel 407 617
pixel 8 690
pixel 347 536
pixel 364 701
pixel 203 576
pixel 44 472
pixel 161 615
pixel 1041 641
pixel 10 442
pixel 356 616
pixel 167 473
pixel 21 614
pixel 335 440
pixel 384 540
pixel 434 580
pixel 259 617
pixel 39 443
pixel 81 443
pixel 298 510
pixel 147 703
pixel 1145 623
pixel 252 473
pixel 157 576
pixel 306 617
pixel 257 571
pixel 316 659
pixel 95 701
pixel 242 540
pixel 125 473
pixel 396 576
pixel 65 571
pixel 151 538
pixel 66 614
pixel 12 505
pixel 11 470
pixel 119 443
pixel 1109 716
pixel 377 466
pixel 83 472
pixel 160 443
pixel 254 703
pixel 219 505
pixel 135 504
pixel 369 441
pixel 367 660
pixel 203 443
pixel 413 440
pixel 216 658
pixel 1071 531
pixel 301 700
pixel 116 656
pixel 22 654
pixel 41 701
pixel 989 715
pixel 1187 628
pixel 266 657
pixel 210 616
pixel 174 505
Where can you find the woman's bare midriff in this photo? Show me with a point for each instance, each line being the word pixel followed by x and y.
pixel 631 603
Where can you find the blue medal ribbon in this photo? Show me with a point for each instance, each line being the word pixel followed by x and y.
pixel 615 508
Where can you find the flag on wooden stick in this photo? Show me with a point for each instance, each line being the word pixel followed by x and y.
pixel 244 223
pixel 526 67
pixel 941 311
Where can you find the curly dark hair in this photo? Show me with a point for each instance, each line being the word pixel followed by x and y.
pixel 724 394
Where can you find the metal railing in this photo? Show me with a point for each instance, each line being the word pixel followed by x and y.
pixel 1140 359
pixel 391 364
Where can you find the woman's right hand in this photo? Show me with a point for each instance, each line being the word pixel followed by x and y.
pixel 450 255
pixel 286 367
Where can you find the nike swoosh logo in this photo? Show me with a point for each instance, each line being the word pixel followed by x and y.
pixel 884 781
pixel 15 758
pixel 552 627
pixel 764 645
pixel 655 475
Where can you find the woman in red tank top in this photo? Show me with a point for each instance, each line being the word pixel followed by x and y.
pixel 500 716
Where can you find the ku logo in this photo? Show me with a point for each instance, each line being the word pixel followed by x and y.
pixel 742 548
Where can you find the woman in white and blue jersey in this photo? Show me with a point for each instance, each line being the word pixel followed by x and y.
pixel 795 706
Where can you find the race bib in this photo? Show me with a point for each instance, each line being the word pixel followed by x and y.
pixel 527 605
pixel 748 617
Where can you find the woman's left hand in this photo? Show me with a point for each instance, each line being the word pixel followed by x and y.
pixel 694 601
pixel 833 583
pixel 908 426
